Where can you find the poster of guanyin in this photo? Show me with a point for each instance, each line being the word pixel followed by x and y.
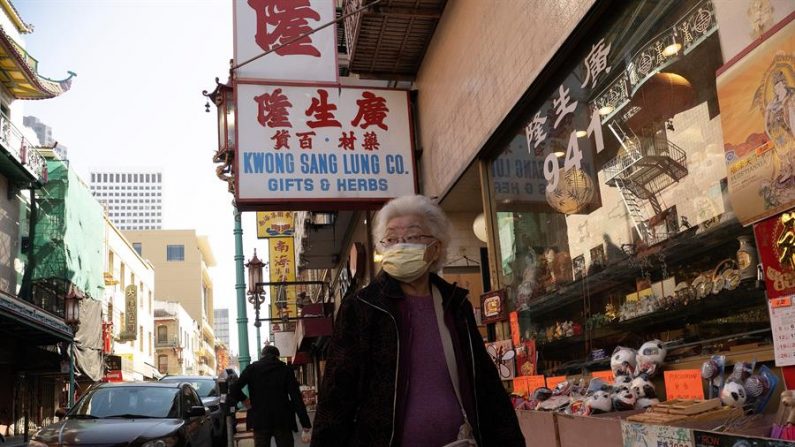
pixel 757 108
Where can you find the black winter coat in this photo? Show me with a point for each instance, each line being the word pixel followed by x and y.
pixel 362 396
pixel 275 396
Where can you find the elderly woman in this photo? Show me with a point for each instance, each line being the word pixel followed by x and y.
pixel 406 365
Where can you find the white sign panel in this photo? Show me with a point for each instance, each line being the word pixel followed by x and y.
pixel 261 25
pixel 782 321
pixel 322 144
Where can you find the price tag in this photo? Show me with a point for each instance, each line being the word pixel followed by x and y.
pixel 684 384
pixel 607 376
pixel 520 386
pixel 553 381
pixel 776 303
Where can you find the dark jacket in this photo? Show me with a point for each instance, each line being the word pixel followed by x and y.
pixel 275 396
pixel 361 400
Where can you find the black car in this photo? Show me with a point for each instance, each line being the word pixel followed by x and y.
pixel 143 414
pixel 208 390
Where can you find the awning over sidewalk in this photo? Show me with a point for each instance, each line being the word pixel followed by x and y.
pixel 22 320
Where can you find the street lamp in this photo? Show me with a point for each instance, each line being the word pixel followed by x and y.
pixel 71 311
pixel 255 290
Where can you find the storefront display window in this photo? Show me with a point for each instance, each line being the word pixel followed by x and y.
pixel 613 218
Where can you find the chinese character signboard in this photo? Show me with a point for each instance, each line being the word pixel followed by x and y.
pixel 302 146
pixel 775 241
pixel 262 25
pixel 757 106
pixel 275 224
pixel 282 268
pixel 493 307
pixel 130 324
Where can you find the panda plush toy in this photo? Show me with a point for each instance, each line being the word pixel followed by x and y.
pixel 599 402
pixel 733 394
pixel 624 399
pixel 650 358
pixel 622 362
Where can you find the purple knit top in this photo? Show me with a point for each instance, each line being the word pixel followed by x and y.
pixel 433 415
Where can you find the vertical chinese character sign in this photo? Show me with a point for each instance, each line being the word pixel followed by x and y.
pixel 275 224
pixel 262 25
pixel 282 268
pixel 314 144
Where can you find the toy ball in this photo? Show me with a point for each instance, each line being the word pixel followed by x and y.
pixel 710 369
pixel 741 371
pixel 642 387
pixel 562 389
pixel 542 394
pixel 645 402
pixel 599 402
pixel 622 361
pixel 733 395
pixel 756 385
pixel 624 400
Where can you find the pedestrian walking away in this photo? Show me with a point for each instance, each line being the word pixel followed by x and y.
pixel 274 400
pixel 406 364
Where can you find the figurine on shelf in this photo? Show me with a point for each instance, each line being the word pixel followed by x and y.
pixel 611 313
pixel 650 358
pixel 622 362
pixel 559 333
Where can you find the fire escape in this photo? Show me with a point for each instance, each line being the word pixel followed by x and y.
pixel 644 166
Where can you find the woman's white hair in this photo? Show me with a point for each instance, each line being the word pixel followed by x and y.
pixel 433 220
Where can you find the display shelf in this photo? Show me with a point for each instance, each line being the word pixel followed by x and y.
pixel 684 246
pixel 723 304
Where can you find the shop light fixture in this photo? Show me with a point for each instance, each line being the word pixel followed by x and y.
pixel 582 133
pixel 673 48
pixel 606 110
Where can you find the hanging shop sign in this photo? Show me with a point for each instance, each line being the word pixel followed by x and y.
pixel 782 323
pixel 775 240
pixel 275 224
pixel 282 268
pixel 302 147
pixel 634 434
pixel 757 110
pixel 261 25
pixel 130 324
pixel 493 307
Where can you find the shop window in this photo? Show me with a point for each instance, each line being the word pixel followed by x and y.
pixel 613 189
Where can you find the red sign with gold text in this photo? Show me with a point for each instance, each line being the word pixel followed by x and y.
pixel 775 242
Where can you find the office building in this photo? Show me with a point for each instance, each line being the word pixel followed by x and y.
pixel 133 198
pixel 221 326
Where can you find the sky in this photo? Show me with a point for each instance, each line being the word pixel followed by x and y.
pixel 136 102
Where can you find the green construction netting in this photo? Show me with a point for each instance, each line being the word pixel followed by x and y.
pixel 69 234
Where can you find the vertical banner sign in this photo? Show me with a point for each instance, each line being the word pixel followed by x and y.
pixel 261 25
pixel 757 112
pixel 775 242
pixel 515 333
pixel 130 331
pixel 322 145
pixel 282 268
pixel 275 224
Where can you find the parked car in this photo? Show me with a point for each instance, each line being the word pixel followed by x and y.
pixel 210 394
pixel 141 414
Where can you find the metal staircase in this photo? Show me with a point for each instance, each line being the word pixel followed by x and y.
pixel 643 167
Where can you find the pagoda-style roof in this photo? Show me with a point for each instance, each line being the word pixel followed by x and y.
pixel 19 73
pixel 14 16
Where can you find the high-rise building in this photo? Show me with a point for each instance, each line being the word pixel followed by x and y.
pixel 221 325
pixel 133 198
pixel 44 134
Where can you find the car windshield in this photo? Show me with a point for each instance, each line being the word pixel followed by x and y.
pixel 204 387
pixel 128 402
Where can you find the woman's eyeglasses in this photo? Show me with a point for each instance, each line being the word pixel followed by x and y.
pixel 411 239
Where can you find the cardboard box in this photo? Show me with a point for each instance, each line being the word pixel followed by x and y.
pixel 539 428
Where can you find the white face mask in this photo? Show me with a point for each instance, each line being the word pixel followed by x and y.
pixel 406 262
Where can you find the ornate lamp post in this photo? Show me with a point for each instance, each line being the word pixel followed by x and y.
pixel 72 318
pixel 255 291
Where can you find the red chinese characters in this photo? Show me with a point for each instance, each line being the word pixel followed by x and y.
pixel 305 139
pixel 372 111
pixel 322 110
pixel 370 142
pixel 282 21
pixel 281 140
pixel 272 109
pixel 346 141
